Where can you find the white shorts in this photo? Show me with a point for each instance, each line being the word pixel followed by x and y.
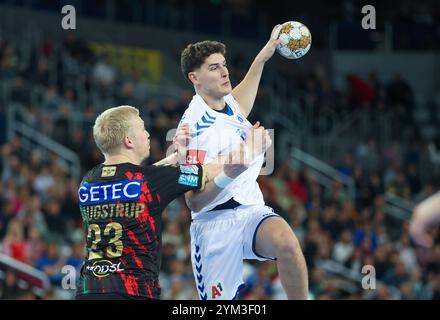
pixel 220 240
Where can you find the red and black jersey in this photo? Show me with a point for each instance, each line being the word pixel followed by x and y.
pixel 121 206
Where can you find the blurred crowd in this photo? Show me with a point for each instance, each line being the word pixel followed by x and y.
pixel 40 223
pixel 414 24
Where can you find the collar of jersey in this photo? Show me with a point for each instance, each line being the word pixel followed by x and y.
pixel 217 113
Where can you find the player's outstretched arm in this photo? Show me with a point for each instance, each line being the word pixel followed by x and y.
pixel 246 91
pixel 223 170
pixel 426 215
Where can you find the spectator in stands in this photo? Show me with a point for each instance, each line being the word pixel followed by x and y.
pixel 104 73
pixel 397 275
pixel 34 245
pixel 6 215
pixel 361 92
pixel 365 237
pixel 51 263
pixel 14 244
pixel 343 248
pixel 54 217
pixel 43 182
pixel 9 288
pixel 400 93
pixel 76 258
pixel 32 216
pixel 9 62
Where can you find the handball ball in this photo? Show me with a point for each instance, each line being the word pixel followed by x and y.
pixel 296 39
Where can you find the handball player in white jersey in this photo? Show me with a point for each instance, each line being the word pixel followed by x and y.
pixel 232 222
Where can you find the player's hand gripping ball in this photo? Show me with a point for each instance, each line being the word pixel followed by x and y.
pixel 296 39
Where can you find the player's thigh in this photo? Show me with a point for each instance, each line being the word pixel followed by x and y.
pixel 274 235
pixel 257 219
pixel 217 258
pixel 266 233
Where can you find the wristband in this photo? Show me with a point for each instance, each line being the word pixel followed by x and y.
pixel 222 180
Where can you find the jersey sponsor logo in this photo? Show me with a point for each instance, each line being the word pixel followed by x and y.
pixel 240 118
pixel 216 291
pixel 189 180
pixel 124 190
pixel 103 268
pixel 195 156
pixel 189 169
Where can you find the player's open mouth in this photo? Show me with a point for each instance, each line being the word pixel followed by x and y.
pixel 225 84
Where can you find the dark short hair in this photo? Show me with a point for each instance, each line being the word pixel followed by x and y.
pixel 195 54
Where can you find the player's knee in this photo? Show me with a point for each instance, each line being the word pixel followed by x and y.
pixel 286 245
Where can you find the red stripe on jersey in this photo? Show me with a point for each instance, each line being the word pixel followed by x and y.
pixel 130 283
pixel 152 226
pixel 150 294
pixel 135 257
pixel 129 175
pixel 136 241
pixel 138 176
pixel 143 216
pixel 146 191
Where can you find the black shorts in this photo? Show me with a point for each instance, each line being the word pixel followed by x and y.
pixel 109 296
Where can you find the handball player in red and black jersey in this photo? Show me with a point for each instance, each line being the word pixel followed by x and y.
pixel 121 203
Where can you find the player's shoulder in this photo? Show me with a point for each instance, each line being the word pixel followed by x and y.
pixel 153 171
pixel 232 102
pixel 195 107
pixel 230 98
pixel 109 173
pixel 92 174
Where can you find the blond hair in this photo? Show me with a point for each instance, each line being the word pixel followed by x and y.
pixel 111 126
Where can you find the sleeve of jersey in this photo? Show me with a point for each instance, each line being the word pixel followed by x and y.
pixel 188 118
pixel 175 181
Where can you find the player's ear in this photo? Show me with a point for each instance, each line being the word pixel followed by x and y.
pixel 128 142
pixel 192 76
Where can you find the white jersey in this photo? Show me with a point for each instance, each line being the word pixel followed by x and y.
pixel 216 133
